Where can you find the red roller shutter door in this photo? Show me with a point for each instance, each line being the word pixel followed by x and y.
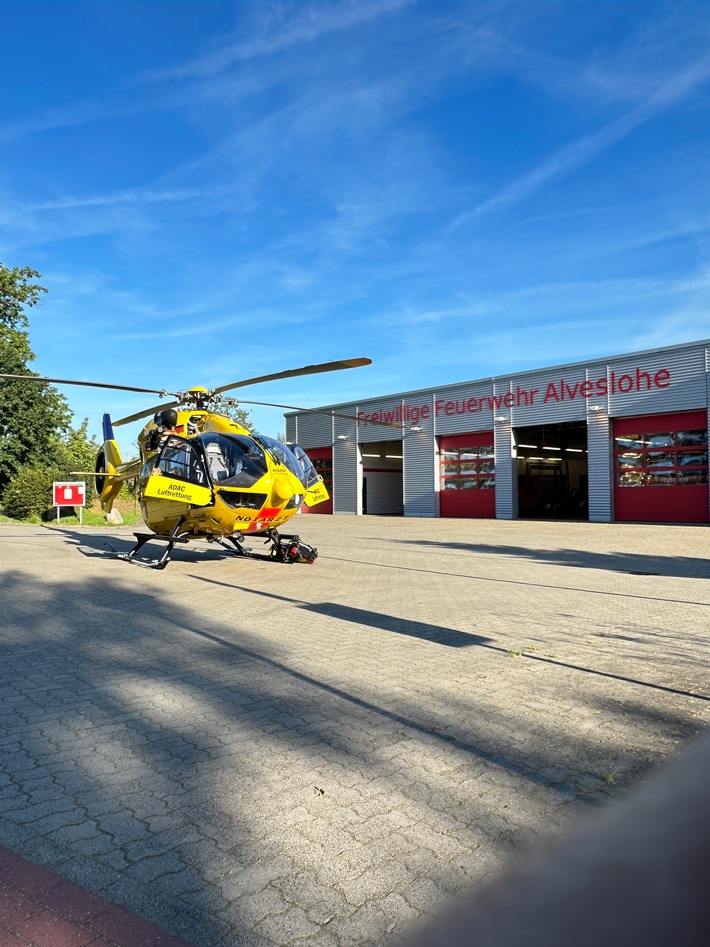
pixel 467 481
pixel 661 468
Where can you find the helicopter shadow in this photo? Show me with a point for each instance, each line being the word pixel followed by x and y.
pixel 100 546
pixel 94 545
pixel 436 634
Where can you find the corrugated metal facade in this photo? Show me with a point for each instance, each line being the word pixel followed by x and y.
pixel 387 411
pixel 675 378
pixel 420 470
pixel 506 477
pixel 347 472
pixel 599 467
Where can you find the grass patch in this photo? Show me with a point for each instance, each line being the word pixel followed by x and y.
pixel 91 516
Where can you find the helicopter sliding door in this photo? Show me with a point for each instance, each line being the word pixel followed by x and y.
pixel 173 483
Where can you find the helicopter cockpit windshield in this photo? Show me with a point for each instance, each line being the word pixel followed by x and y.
pixel 233 460
pixel 284 454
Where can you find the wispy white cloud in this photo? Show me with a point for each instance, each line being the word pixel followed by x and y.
pixel 583 151
pixel 549 300
pixel 70 115
pixel 281 30
pixel 130 196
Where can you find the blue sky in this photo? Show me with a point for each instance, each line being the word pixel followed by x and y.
pixel 218 190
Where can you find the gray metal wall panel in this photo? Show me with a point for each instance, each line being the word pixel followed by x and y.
pixel 369 432
pixel 687 385
pixel 315 430
pixel 291 428
pixel 552 398
pixel 594 373
pixel 506 473
pixel 420 466
pixel 467 413
pixel 599 467
pixel 347 473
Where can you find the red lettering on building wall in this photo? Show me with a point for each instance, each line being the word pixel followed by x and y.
pixel 556 391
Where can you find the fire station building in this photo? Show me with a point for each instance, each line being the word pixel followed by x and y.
pixel 613 440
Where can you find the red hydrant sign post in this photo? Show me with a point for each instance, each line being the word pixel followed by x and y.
pixel 69 494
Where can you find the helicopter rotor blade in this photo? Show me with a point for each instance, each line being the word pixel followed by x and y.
pixel 330 414
pixel 146 412
pixel 88 384
pixel 295 372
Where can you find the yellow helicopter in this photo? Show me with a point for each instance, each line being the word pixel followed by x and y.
pixel 201 475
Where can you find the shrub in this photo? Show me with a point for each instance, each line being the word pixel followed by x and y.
pixel 29 493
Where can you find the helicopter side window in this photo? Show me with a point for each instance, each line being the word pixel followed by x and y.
pixel 179 460
pixel 310 474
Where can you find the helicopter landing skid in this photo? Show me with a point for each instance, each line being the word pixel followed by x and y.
pixel 143 538
pixel 235 545
pixel 283 548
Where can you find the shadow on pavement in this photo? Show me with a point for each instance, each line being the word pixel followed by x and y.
pixel 139 735
pixel 399 626
pixel 628 563
pixel 521 582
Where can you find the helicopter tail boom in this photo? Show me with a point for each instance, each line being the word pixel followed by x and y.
pixel 111 471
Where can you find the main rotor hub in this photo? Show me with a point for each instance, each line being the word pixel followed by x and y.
pixel 197 396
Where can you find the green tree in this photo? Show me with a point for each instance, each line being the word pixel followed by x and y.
pixel 17 291
pixel 75 452
pixel 32 416
pixel 28 495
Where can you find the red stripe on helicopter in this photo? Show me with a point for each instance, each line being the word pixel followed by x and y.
pixel 267 514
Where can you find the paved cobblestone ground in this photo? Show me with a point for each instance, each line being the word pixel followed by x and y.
pixel 250 753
